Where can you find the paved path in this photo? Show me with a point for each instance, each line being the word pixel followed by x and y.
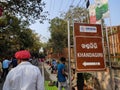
pixel 52 77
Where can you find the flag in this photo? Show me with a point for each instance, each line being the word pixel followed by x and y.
pixel 87 3
pixel 101 9
pixel 92 14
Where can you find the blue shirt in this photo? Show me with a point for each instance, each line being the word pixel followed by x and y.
pixel 54 63
pixel 61 77
pixel 5 63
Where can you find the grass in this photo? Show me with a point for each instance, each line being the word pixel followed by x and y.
pixel 50 87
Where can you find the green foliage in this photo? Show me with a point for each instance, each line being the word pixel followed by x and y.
pixel 30 10
pixel 16 36
pixel 58 30
pixel 49 87
pixel 3 22
pixel 76 14
pixel 25 38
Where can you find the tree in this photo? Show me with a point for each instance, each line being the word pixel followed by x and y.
pixel 58 30
pixel 16 36
pixel 58 27
pixel 76 14
pixel 30 10
pixel 37 44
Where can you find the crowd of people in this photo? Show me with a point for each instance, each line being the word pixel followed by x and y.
pixel 60 68
pixel 22 72
pixel 5 65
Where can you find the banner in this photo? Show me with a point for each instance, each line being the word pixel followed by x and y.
pixel 101 9
pixel 92 14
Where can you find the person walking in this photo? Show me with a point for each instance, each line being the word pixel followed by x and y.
pixel 5 67
pixel 14 62
pixel 35 61
pixel 61 75
pixel 53 66
pixel 24 76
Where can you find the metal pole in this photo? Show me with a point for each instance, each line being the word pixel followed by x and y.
pixel 113 48
pixel 112 40
pixel 113 45
pixel 69 59
pixel 42 61
pixel 110 67
pixel 43 70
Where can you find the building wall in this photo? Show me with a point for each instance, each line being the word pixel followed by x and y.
pixel 114 39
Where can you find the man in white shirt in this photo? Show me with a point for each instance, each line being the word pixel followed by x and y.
pixel 25 76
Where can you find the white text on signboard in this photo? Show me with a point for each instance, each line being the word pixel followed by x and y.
pixel 90 29
pixel 90 45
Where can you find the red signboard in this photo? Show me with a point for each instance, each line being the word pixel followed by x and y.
pixel 87 30
pixel 88 47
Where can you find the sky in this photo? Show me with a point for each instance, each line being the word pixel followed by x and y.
pixel 55 7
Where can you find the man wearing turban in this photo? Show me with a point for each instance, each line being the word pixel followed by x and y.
pixel 24 76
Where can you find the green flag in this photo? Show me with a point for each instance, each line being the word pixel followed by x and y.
pixel 101 9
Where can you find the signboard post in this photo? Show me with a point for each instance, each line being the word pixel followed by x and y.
pixel 88 47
